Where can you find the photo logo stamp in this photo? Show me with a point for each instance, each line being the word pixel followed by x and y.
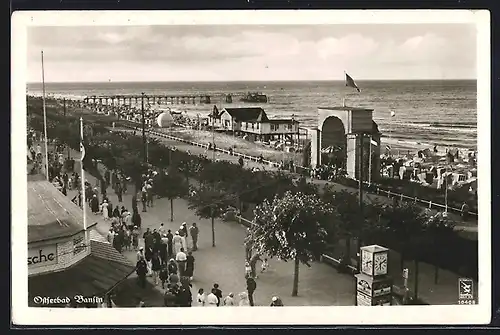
pixel 466 291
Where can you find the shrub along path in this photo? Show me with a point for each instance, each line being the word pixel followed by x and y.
pixel 469 228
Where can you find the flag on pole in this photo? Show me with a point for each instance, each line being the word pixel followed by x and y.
pixel 349 82
pixel 373 142
pixel 82 148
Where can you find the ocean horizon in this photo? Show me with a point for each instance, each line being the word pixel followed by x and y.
pixel 428 112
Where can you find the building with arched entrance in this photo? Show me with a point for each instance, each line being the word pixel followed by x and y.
pixel 343 128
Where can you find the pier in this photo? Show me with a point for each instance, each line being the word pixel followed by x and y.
pixel 151 99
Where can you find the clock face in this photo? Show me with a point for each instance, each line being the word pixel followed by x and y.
pixel 380 264
pixel 366 262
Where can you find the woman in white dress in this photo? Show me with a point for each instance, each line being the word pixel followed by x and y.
pixel 104 210
pixel 201 298
pixel 177 243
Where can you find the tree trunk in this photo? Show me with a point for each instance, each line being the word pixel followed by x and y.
pixel 416 280
pixel 171 210
pixel 436 274
pixel 295 290
pixel 348 250
pixel 213 232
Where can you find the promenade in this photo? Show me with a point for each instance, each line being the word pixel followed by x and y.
pixel 319 285
pixel 469 228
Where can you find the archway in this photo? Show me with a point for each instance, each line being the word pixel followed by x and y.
pixel 333 142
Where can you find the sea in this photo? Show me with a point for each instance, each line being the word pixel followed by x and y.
pixel 426 113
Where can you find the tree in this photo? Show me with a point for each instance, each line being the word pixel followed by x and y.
pixel 209 202
pixel 347 207
pixel 171 185
pixel 405 225
pixel 189 167
pixel 295 227
pixel 439 231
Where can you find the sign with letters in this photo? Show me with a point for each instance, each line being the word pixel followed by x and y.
pixel 42 256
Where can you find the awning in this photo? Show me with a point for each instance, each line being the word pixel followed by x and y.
pixel 95 275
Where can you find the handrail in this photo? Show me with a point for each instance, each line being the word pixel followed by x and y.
pixel 380 191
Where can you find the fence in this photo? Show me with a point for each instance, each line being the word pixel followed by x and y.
pixel 303 169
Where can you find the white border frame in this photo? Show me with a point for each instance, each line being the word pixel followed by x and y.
pixel 22 314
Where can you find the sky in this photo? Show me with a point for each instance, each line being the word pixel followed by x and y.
pixel 251 52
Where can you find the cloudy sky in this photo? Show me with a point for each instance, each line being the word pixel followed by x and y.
pixel 229 53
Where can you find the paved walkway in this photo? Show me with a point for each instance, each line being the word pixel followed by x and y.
pixel 468 227
pixel 319 285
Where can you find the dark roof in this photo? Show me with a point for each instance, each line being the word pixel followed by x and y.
pixel 104 250
pixel 50 213
pixel 282 121
pixel 347 108
pixel 95 275
pixel 247 113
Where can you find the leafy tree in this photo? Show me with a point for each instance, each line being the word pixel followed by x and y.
pixel 439 231
pixel 294 226
pixel 189 167
pixel 209 202
pixel 347 207
pixel 171 185
pixel 405 225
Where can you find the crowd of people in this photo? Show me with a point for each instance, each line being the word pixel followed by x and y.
pixel 327 172
pixel 167 257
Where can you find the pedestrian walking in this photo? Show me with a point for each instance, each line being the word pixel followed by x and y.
pixel 181 259
pixel 201 298
pixel 172 267
pixel 144 198
pixel 251 287
pixel 141 270
pixel 193 231
pixel 140 254
pixel 243 299
pixel 135 237
pixel 229 300
pixel 177 243
pixel 218 294
pixel 163 275
pixel 212 300
pixel 189 266
pixel 155 267
pixel 170 237
pixel 119 191
pixel 136 219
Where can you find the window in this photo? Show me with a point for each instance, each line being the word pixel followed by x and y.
pixel 258 125
pixel 78 245
pixel 275 127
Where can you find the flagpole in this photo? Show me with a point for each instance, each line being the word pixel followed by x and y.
pixel 45 123
pixel 344 90
pixel 370 163
pixel 82 171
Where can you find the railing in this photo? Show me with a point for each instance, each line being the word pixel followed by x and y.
pixel 379 191
pixel 428 204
